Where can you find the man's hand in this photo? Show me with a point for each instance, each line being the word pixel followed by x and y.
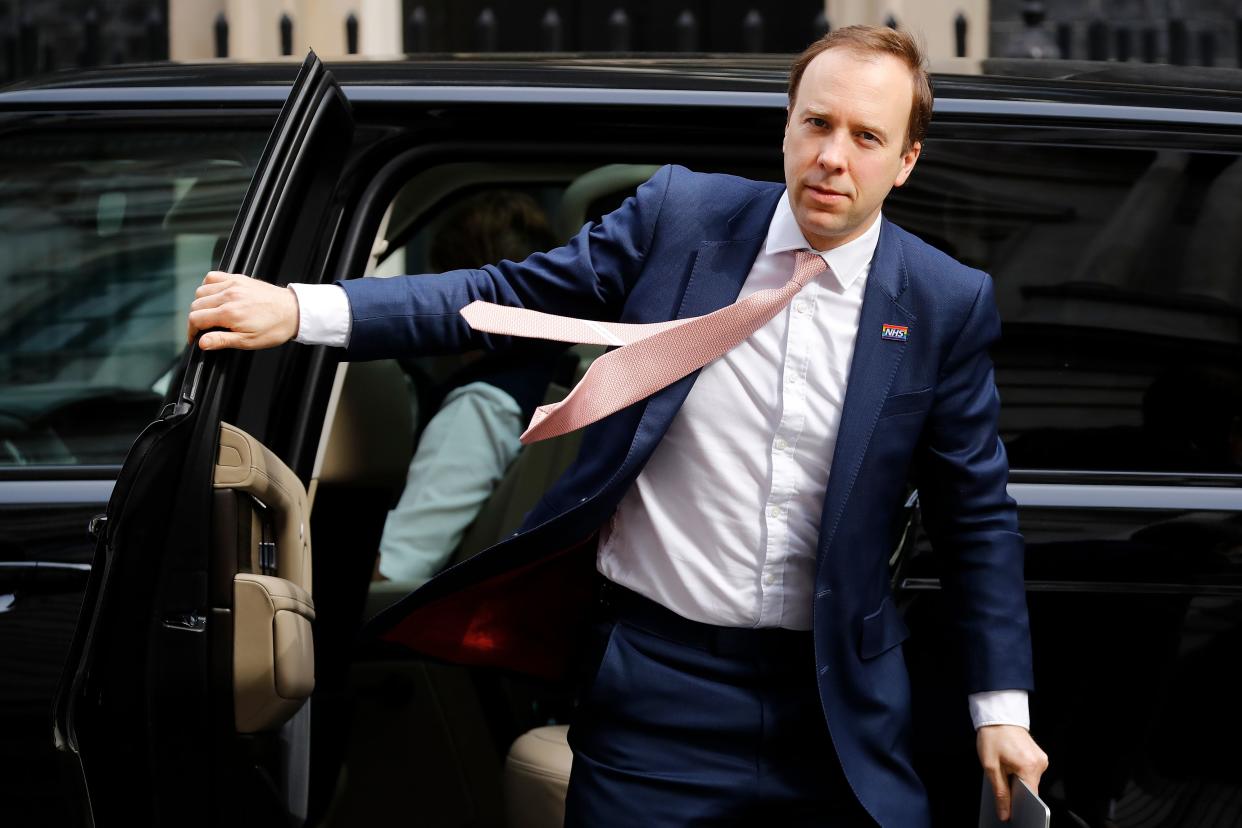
pixel 256 314
pixel 1006 749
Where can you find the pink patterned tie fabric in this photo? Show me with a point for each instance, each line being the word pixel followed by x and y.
pixel 651 355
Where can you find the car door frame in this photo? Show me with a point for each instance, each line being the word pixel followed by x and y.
pixel 145 703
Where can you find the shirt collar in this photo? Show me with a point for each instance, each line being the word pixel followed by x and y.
pixel 847 262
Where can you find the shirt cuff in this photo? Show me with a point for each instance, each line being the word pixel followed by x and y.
pixel 323 315
pixel 1000 707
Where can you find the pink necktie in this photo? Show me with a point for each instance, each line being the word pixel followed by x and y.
pixel 651 355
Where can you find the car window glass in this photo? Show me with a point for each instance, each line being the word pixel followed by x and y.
pixel 1118 274
pixel 103 238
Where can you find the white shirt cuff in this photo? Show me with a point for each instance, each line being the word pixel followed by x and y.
pixel 323 315
pixel 1000 707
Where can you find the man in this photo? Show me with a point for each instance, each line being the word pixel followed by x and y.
pixel 742 514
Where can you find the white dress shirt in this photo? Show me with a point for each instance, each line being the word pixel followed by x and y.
pixel 722 524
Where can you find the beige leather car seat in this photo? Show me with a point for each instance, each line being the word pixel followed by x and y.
pixel 537 778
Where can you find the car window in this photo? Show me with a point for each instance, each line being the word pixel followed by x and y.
pixel 103 238
pixel 1118 274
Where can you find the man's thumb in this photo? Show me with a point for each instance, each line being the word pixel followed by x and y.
pixel 216 340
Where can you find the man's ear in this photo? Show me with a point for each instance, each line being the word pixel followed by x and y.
pixel 907 163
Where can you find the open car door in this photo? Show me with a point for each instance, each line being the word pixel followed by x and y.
pixel 185 695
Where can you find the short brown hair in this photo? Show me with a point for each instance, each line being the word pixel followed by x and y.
pixel 490 226
pixel 877 40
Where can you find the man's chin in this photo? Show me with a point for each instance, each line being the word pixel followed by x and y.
pixel 825 230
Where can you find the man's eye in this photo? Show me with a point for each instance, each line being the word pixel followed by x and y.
pixel 868 136
pixel 818 123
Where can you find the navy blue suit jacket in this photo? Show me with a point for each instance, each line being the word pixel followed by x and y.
pixel 925 407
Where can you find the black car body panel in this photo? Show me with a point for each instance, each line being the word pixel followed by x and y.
pixel 1132 533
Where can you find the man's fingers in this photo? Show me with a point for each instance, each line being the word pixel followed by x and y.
pixel 1005 749
pixel 206 318
pixel 213 300
pixel 1000 789
pixel 208 288
pixel 264 315
pixel 216 340
pixel 1032 769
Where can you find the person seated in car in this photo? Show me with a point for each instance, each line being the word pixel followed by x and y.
pixel 480 409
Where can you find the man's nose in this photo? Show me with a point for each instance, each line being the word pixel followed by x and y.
pixel 832 152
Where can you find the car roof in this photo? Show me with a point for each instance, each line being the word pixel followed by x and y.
pixel 1047 86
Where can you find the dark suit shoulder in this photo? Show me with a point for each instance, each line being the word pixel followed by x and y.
pixel 700 206
pixel 946 295
pixel 930 268
pixel 713 196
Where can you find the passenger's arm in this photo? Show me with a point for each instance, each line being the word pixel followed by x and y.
pixel 462 455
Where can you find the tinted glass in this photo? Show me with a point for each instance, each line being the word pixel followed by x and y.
pixel 103 238
pixel 1118 274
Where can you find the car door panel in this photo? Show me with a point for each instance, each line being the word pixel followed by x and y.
pixel 273 654
pixel 195 647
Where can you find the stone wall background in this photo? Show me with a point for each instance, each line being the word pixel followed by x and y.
pixel 1217 17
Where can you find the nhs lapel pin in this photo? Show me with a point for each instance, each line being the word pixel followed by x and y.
pixel 897 333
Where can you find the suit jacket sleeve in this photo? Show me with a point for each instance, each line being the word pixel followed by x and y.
pixel 588 277
pixel 961 471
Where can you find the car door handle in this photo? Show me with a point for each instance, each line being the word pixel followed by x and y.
pixel 97 525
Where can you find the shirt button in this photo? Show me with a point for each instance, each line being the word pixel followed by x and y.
pixel 800 307
pixel 775 511
pixel 781 445
pixel 769 579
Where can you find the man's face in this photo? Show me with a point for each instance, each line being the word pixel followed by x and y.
pixel 844 136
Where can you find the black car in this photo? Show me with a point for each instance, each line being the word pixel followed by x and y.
pixel 156 648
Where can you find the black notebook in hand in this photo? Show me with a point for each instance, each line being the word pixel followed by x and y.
pixel 1026 810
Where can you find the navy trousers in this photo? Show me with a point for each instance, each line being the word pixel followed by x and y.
pixel 688 724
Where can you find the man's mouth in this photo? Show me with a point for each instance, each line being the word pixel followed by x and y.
pixel 827 194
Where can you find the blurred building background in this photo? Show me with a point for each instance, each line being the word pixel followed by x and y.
pixel 38 36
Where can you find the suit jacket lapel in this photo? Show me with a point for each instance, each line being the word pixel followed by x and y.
pixel 872 369
pixel 721 267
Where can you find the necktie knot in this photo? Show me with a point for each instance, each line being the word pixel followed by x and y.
pixel 807 265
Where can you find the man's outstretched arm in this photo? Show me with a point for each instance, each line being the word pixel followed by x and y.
pixel 589 276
